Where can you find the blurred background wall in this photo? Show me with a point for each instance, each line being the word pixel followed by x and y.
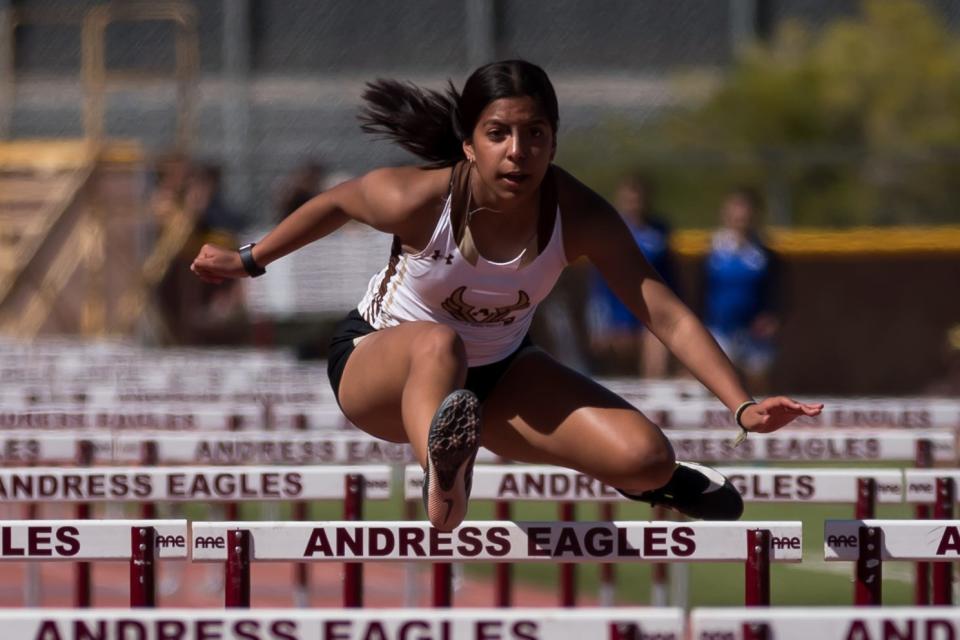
pixel 845 115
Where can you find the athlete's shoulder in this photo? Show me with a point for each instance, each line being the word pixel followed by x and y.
pixel 586 215
pixel 402 200
pixel 408 187
pixel 574 195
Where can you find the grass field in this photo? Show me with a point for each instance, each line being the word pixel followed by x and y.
pixel 812 582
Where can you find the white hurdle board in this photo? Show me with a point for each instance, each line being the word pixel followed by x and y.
pixel 86 539
pixel 544 482
pixel 811 445
pixel 498 541
pixel 828 623
pixel 188 484
pixel 798 485
pixel 271 447
pixel 838 413
pixel 208 448
pixel 901 539
pixel 922 484
pixel 350 624
pixel 22 447
pixel 124 417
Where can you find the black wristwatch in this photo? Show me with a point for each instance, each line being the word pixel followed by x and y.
pixel 249 265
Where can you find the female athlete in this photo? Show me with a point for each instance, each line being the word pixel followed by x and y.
pixel 437 353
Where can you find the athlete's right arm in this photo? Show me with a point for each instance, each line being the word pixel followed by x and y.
pixel 392 200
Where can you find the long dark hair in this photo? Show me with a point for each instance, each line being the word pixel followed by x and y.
pixel 433 124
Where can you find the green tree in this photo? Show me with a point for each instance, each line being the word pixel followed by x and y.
pixel 858 123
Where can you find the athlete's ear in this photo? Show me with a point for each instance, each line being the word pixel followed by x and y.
pixel 468 151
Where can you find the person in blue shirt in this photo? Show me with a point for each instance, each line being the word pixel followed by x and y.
pixel 741 280
pixel 612 327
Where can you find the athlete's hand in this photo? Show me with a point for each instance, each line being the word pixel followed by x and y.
pixel 215 264
pixel 774 413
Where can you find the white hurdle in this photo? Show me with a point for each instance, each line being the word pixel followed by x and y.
pixel 240 543
pixel 188 484
pixel 813 445
pixel 871 542
pixel 860 487
pixel 334 624
pixel 141 542
pixel 824 623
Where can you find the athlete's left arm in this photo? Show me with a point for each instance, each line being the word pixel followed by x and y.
pixel 593 229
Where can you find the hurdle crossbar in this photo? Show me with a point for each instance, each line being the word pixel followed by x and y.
pixel 869 543
pixel 473 624
pixel 823 623
pixel 141 542
pixel 494 541
pixel 188 484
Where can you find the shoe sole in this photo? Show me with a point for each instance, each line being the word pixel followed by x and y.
pixel 452 445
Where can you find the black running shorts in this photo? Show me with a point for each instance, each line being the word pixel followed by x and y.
pixel 480 380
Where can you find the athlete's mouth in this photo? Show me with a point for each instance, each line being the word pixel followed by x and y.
pixel 514 177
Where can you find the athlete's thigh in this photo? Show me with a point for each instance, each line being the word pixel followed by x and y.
pixel 373 379
pixel 544 412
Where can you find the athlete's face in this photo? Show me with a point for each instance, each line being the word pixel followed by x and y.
pixel 512 147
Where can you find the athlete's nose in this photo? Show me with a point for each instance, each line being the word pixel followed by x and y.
pixel 518 148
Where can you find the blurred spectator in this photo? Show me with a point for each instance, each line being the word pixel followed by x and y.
pixel 948 384
pixel 216 223
pixel 740 292
pixel 170 185
pixel 204 200
pixel 303 183
pixel 613 328
pixel 188 204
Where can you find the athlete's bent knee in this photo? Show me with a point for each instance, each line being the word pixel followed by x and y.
pixel 441 345
pixel 643 466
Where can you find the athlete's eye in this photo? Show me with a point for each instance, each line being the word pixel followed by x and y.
pixel 537 132
pixel 496 134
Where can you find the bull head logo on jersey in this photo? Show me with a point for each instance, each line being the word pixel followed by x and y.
pixel 461 310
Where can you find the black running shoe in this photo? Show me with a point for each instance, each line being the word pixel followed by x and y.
pixel 697 492
pixel 452 446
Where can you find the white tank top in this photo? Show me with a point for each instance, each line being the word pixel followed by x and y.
pixel 489 304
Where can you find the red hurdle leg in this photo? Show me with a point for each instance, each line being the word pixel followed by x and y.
pixel 504 571
pixel 143 547
pixel 757 573
pixel 658 570
pixel 608 579
pixel 943 571
pixel 238 569
pixel 232 509
pixel 148 458
pixel 568 570
pixel 301 574
pixel 442 584
pixel 84 595
pixel 353 571
pixel 866 508
pixel 869 580
pixel 921 584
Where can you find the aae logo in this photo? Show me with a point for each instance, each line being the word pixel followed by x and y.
pixel 843 541
pixel 166 542
pixel 785 542
pixel 209 542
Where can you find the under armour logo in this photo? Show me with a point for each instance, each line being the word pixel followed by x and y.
pixel 437 255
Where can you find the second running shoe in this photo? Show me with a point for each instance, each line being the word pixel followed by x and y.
pixel 452 445
pixel 696 491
